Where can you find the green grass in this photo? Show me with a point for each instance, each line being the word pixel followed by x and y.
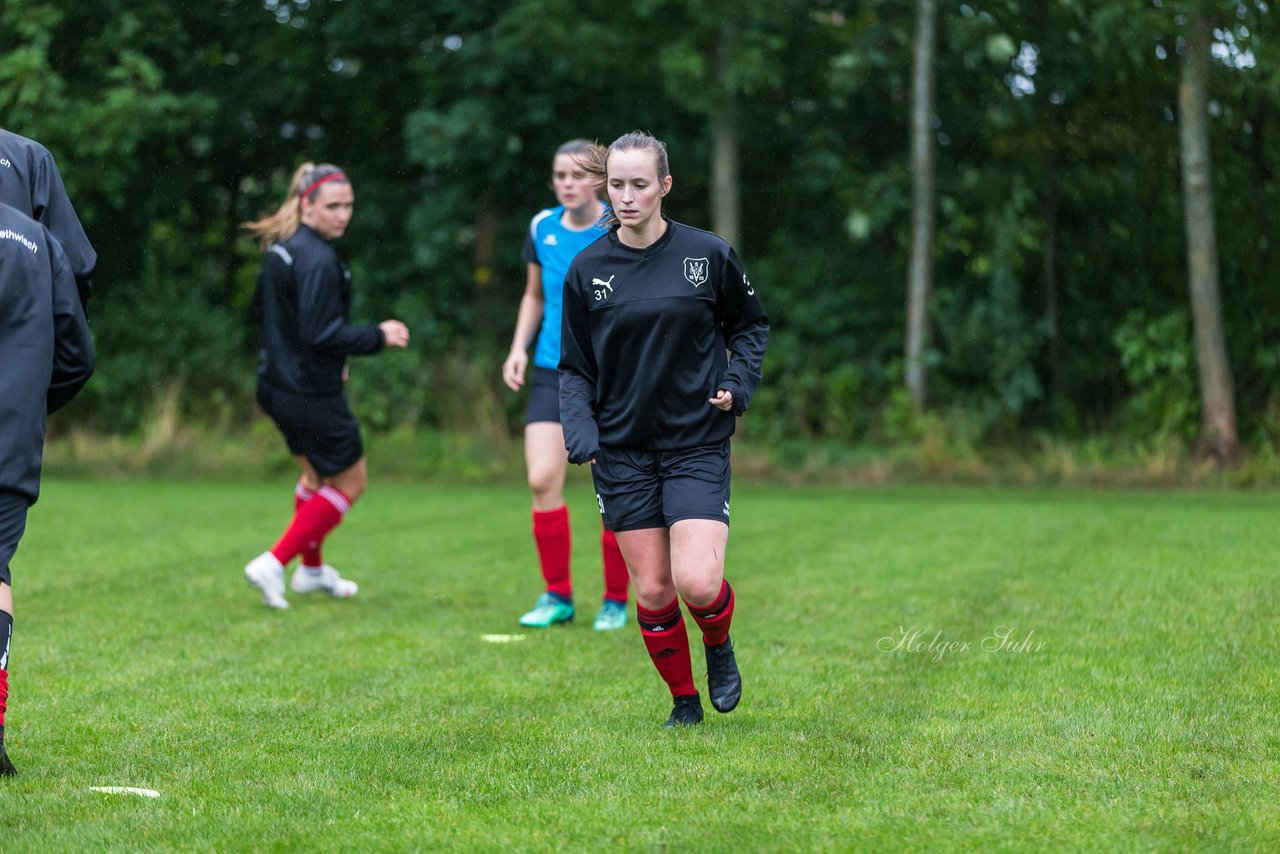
pixel 1147 720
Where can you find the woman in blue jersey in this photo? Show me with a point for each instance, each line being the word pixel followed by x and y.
pixel 648 396
pixel 555 236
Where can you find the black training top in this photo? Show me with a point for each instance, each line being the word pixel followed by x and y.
pixel 303 301
pixel 643 340
pixel 46 354
pixel 29 181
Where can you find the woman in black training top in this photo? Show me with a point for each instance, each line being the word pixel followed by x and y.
pixel 648 395
pixel 304 303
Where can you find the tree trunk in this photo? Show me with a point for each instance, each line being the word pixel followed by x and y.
pixel 483 256
pixel 1050 277
pixel 726 204
pixel 1216 391
pixel 920 275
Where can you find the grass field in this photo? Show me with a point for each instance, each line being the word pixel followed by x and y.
pixel 1133 706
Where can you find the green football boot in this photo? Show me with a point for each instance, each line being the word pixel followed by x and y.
pixel 547 611
pixel 612 615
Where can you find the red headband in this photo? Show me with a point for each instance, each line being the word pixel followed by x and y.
pixel 333 176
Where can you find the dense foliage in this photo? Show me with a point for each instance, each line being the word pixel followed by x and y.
pixel 1057 134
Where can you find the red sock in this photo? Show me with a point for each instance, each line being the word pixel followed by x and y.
pixel 317 518
pixel 551 534
pixel 616 577
pixel 6 632
pixel 311 554
pixel 714 619
pixel 668 644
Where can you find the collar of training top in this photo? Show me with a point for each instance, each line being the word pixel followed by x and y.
pixel 654 247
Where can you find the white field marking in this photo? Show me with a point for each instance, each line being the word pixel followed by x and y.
pixel 125 790
pixel 501 638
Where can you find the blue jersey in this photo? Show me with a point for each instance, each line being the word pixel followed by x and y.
pixel 552 247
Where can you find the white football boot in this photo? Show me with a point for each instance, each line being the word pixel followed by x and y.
pixel 267 574
pixel 326 578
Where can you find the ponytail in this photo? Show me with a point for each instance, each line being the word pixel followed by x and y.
pixel 284 223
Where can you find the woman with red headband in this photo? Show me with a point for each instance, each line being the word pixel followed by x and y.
pixel 303 301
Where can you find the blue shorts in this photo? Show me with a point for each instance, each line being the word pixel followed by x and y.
pixel 544 396
pixel 322 429
pixel 13 522
pixel 656 489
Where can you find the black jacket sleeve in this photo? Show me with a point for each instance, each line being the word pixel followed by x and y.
pixel 746 332
pixel 72 344
pixel 577 374
pixel 322 318
pixel 51 207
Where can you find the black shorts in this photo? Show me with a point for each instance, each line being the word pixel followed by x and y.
pixel 13 522
pixel 656 489
pixel 544 396
pixel 322 429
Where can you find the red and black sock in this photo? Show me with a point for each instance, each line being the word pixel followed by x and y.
pixel 311 523
pixel 551 535
pixel 6 632
pixel 616 577
pixel 310 554
pixel 714 619
pixel 668 644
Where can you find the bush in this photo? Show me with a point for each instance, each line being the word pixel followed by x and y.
pixel 1158 361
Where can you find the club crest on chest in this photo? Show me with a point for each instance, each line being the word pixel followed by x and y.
pixel 695 270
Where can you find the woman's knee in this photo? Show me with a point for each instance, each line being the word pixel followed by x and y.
pixel 701 588
pixel 697 559
pixel 352 482
pixel 546 483
pixel 308 478
pixel 546 472
pixel 653 592
pixel 650 578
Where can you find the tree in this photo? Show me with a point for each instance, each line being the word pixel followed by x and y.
pixel 920 276
pixel 1216 389
pixel 726 203
pixel 1049 165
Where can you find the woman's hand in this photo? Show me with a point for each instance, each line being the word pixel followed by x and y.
pixel 394 333
pixel 722 400
pixel 513 369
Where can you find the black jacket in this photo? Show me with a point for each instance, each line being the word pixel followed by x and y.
pixel 303 302
pixel 46 354
pixel 643 341
pixel 29 181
